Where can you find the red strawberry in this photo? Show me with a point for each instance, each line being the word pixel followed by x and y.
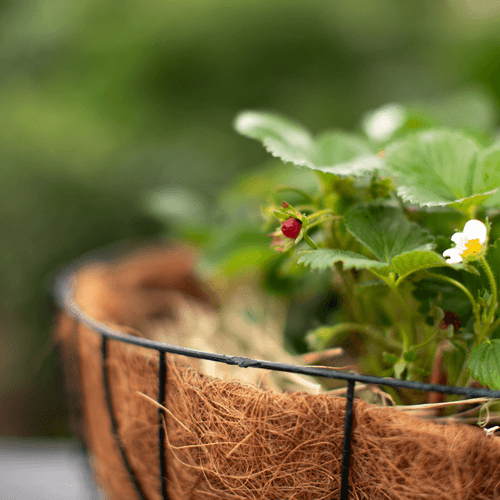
pixel 291 228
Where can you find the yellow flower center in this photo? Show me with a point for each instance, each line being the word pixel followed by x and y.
pixel 472 247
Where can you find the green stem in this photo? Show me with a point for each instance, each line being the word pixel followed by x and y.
pixel 491 278
pixel 407 334
pixel 495 325
pixel 457 284
pixel 391 282
pixel 305 208
pixel 320 213
pixel 428 341
pixel 371 332
pixel 485 327
pixel 315 223
pixel 407 340
pixel 351 296
pixel 475 307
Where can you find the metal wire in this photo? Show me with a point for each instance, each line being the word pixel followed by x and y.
pixel 63 291
pixel 346 452
pixel 109 403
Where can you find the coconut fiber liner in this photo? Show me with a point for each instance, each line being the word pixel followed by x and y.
pixel 226 439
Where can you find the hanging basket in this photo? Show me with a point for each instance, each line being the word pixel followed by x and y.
pixel 157 426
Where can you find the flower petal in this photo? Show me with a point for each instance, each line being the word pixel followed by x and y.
pixel 453 255
pixel 475 229
pixel 460 239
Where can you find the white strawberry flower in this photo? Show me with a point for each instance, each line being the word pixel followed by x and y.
pixel 470 242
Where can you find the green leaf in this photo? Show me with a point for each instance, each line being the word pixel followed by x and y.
pixel 389 358
pixel 333 152
pixel 409 356
pixel 487 173
pixel 310 242
pixel 334 148
pixel 282 137
pixel 484 363
pixel 435 167
pixel 399 368
pixel 281 215
pixel 466 205
pixel 428 290
pixel 356 167
pixel 418 260
pixel 325 259
pixel 344 154
pixel 385 231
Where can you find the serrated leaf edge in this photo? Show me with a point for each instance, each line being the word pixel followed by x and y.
pixel 405 193
pixel 354 255
pixel 420 268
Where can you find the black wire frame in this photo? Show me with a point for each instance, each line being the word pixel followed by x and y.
pixel 63 294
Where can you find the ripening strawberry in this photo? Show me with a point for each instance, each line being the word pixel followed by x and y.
pixel 291 227
pixel 450 318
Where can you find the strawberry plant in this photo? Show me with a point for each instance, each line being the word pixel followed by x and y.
pixel 405 221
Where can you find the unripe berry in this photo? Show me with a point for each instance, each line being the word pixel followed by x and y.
pixel 291 228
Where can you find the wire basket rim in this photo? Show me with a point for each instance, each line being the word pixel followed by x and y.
pixel 62 291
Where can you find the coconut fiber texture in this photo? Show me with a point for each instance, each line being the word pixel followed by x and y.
pixel 226 439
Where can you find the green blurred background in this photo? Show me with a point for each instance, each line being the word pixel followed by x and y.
pixel 116 123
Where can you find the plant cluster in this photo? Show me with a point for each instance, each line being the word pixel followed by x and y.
pixel 405 220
